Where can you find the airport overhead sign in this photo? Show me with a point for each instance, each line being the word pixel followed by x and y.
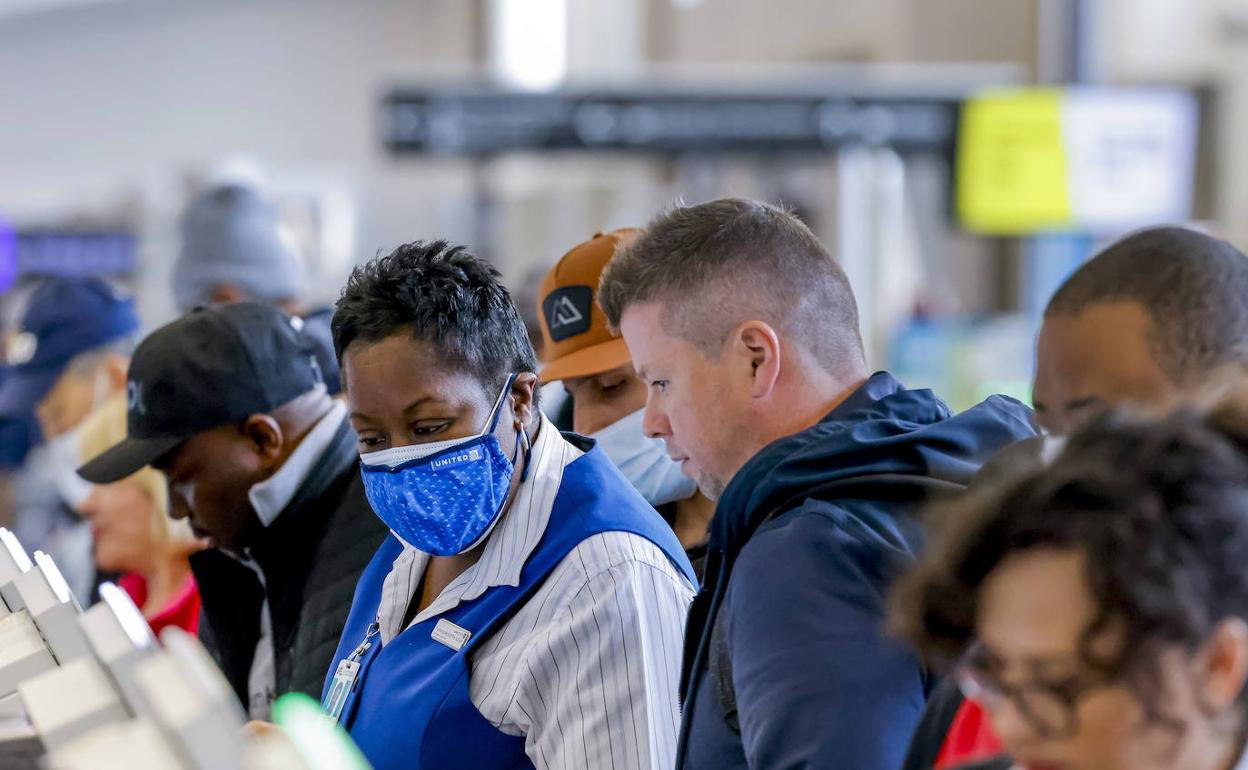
pixel 486 121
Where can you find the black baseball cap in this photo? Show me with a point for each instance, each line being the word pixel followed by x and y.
pixel 215 366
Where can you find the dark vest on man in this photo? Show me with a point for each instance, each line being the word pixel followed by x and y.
pixel 311 555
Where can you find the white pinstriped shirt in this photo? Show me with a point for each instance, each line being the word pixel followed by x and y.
pixel 587 671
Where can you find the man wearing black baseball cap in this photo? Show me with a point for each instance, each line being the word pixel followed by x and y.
pixel 232 250
pixel 229 403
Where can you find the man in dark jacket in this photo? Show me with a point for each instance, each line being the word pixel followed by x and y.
pixel 745 330
pixel 232 250
pixel 1156 319
pixel 228 402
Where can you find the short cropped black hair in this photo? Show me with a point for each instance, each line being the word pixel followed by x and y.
pixel 1159 507
pixel 1194 288
pixel 441 295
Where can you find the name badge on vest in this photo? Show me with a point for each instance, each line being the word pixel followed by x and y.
pixel 453 636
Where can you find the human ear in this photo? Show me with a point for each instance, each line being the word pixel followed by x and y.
pixel 522 393
pixel 265 437
pixel 1223 663
pixel 757 346
pixel 226 292
pixel 115 367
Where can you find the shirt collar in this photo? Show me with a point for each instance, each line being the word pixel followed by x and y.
pixel 506 550
pixel 271 496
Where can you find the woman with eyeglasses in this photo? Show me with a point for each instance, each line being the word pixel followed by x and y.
pixel 1098 608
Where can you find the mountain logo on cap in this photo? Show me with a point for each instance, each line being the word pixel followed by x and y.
pixel 567 311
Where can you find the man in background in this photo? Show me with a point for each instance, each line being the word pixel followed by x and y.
pixel 1157 319
pixel 233 250
pixel 228 402
pixel 608 398
pixel 67 357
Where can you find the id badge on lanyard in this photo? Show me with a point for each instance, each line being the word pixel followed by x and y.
pixel 345 677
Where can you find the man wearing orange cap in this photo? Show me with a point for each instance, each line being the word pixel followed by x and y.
pixel 608 398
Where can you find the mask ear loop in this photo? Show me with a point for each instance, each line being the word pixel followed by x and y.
pixel 497 413
pixel 522 441
pixel 521 436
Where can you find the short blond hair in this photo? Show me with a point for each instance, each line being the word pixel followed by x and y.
pixel 105 428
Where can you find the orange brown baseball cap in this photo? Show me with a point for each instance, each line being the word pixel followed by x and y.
pixel 576 341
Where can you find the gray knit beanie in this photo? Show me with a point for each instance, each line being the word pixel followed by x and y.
pixel 230 236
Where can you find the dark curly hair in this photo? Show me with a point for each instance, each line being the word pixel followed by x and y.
pixel 442 295
pixel 1160 508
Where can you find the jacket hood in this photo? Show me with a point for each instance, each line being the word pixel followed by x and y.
pixel 909 437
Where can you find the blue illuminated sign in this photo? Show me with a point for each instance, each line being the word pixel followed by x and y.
pixel 8 257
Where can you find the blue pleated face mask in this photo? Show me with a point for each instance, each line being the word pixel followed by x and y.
pixel 443 498
pixel 644 461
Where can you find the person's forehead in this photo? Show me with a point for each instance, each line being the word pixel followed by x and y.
pixel 198 453
pixel 624 370
pixel 1103 351
pixel 1036 604
pixel 620 390
pixel 650 342
pixel 401 370
pixel 643 320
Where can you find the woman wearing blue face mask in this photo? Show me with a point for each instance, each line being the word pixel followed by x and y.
pixel 527 609
pixel 608 398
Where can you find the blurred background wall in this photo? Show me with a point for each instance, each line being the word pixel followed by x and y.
pixel 115 111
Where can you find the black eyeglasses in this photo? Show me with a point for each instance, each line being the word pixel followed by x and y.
pixel 1048 707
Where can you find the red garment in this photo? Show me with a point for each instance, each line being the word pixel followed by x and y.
pixel 182 611
pixel 970 738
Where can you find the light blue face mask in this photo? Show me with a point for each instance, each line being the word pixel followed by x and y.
pixel 644 461
pixel 443 498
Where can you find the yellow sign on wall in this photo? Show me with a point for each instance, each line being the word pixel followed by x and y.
pixel 1094 158
pixel 1012 166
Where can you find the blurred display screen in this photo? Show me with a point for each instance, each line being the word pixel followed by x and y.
pixel 72 253
pixel 1090 158
pixel 482 122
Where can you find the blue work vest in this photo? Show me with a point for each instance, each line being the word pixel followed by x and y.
pixel 409 707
